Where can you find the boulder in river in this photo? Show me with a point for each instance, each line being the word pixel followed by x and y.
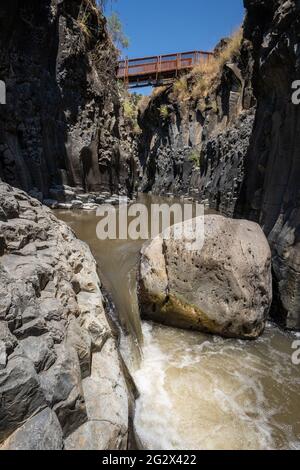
pixel 225 288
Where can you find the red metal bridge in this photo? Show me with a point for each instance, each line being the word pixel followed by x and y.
pixel 157 70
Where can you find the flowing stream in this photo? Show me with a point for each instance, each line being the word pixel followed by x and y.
pixel 197 391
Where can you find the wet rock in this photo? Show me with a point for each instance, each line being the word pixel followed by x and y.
pixel 77 204
pixel 89 207
pixel 65 206
pixel 224 288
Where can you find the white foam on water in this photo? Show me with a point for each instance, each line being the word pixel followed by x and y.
pixel 154 408
pixel 203 392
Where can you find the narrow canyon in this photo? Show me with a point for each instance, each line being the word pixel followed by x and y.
pixel 135 344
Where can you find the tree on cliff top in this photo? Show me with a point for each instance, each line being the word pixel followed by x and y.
pixel 115 29
pixel 114 24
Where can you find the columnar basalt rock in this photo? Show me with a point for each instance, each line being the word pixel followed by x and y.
pixel 59 363
pixel 62 124
pixel 198 147
pixel 270 193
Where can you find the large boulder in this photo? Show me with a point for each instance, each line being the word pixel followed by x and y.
pixel 224 288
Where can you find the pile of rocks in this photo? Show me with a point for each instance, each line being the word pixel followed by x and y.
pixel 61 378
pixel 66 197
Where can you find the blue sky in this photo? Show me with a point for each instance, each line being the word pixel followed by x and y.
pixel 165 26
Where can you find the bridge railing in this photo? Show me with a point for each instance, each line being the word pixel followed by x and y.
pixel 160 64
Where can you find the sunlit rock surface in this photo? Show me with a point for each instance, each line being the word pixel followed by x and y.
pixel 224 288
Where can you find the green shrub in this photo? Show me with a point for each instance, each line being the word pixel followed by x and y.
pixel 164 111
pixel 129 111
pixel 194 157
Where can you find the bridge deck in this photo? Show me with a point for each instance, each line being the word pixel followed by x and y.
pixel 156 70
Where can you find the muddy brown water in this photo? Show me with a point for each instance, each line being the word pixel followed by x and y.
pixel 197 391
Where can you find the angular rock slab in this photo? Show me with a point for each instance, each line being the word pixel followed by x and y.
pixel 225 288
pixel 41 432
pixel 20 395
pixel 106 399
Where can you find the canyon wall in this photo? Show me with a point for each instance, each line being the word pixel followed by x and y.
pixel 198 148
pixel 271 190
pixel 62 381
pixel 63 123
pixel 237 149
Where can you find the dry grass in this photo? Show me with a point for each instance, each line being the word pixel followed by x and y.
pixel 84 26
pixel 181 89
pixel 88 10
pixel 205 73
pixel 129 110
pixel 92 5
pixel 131 105
pixel 199 83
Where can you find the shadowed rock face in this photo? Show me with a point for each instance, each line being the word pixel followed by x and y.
pixel 62 124
pixel 199 148
pixel 247 136
pixel 59 364
pixel 271 190
pixel 224 288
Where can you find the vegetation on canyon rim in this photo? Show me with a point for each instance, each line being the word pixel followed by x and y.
pixel 198 83
pixel 89 18
pixel 195 85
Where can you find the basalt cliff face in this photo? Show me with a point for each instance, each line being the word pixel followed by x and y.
pixel 198 147
pixel 63 122
pixel 271 192
pixel 246 134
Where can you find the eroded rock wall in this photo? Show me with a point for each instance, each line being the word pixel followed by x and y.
pixel 271 189
pixel 62 124
pixel 198 147
pixel 61 378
